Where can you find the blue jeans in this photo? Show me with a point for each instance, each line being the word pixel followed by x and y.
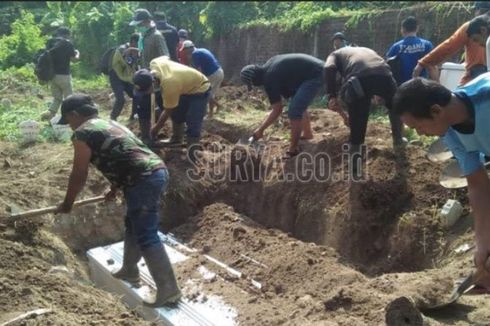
pixel 119 87
pixel 303 97
pixel 143 205
pixel 191 110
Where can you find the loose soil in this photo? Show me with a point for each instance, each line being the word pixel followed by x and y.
pixel 330 252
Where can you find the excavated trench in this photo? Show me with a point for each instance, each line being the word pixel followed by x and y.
pixel 377 225
pixel 383 224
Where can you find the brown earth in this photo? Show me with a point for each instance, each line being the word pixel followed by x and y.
pixel 325 252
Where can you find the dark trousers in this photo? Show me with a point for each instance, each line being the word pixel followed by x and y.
pixel 143 105
pixel 380 85
pixel 119 87
pixel 191 110
pixel 143 108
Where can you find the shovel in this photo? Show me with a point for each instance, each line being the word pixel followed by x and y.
pixel 452 177
pixel 438 151
pixel 250 142
pixel 467 283
pixel 52 209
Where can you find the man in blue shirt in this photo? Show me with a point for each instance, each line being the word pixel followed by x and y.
pixel 411 49
pixel 462 117
pixel 204 61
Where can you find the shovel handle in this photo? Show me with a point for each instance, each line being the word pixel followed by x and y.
pixel 41 211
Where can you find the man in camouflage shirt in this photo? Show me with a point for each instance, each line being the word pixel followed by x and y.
pixel 142 176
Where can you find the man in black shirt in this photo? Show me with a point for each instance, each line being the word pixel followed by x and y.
pixel 169 32
pixel 365 74
pixel 62 52
pixel 295 75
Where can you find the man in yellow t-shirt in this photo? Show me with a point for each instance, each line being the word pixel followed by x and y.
pixel 186 92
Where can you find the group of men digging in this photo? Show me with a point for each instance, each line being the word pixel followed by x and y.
pixel 130 165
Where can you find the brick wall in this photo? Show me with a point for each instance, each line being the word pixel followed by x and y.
pixel 257 44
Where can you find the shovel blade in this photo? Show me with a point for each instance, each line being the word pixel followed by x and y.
pixel 438 151
pixel 452 176
pixel 250 142
pixel 245 141
pixel 466 284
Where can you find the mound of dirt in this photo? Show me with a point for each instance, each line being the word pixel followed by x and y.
pixel 38 271
pixel 377 224
pixel 304 283
pixel 319 248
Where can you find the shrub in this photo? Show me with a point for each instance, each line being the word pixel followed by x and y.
pixel 21 45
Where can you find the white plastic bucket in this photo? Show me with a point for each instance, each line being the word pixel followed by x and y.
pixel 61 132
pixel 451 74
pixel 29 130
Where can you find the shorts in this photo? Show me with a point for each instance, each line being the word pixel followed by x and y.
pixel 303 97
pixel 216 79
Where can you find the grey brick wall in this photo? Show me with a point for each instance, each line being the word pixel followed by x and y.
pixel 257 44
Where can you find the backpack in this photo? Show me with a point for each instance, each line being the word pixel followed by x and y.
pixel 44 68
pixel 105 63
pixel 395 63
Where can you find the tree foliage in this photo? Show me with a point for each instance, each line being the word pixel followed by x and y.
pixel 20 46
pixel 98 25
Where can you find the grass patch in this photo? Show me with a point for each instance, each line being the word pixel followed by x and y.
pixel 379 114
pixel 94 83
pixel 23 98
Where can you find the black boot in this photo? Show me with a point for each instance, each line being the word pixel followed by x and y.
pixel 356 163
pixel 396 130
pixel 160 268
pixel 145 129
pixel 192 148
pixel 177 138
pixel 132 255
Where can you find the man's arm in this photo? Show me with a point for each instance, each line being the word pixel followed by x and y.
pixel 479 194
pixel 329 73
pixel 444 50
pixel 275 113
pixel 160 123
pixel 394 49
pixel 78 175
pixel 75 54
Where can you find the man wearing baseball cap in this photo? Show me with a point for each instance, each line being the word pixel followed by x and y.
pixel 186 95
pixel 183 35
pixel 142 176
pixel 203 60
pixel 152 44
pixel 339 40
